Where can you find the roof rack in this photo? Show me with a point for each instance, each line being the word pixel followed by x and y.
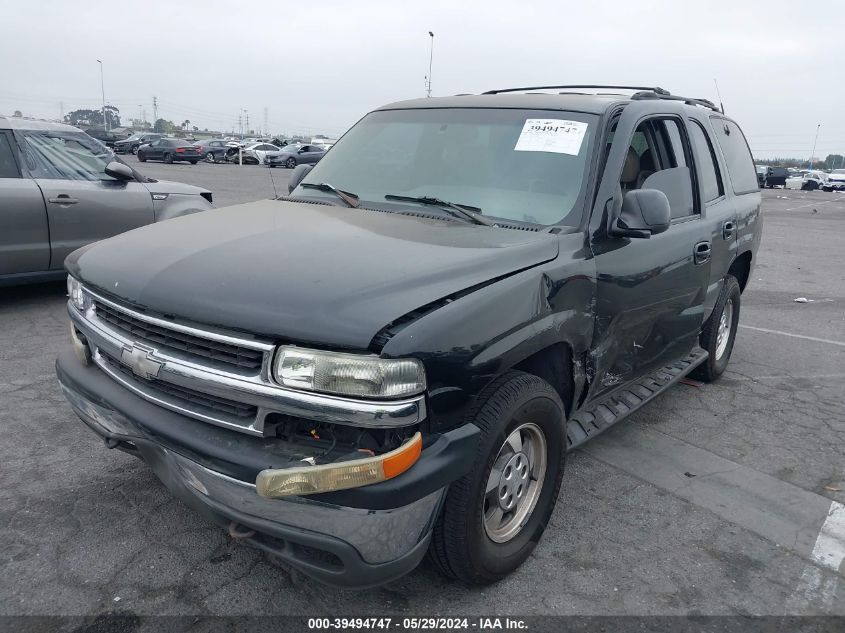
pixel 649 94
pixel 653 89
pixel 642 92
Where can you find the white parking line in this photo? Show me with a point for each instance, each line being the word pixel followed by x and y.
pixel 815 204
pixel 829 551
pixel 790 334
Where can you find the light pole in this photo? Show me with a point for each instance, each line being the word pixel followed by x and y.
pixel 103 91
pixel 813 153
pixel 430 59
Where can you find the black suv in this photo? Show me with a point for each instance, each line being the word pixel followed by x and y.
pixel 395 358
pixel 130 145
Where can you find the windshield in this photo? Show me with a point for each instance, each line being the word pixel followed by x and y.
pixel 518 165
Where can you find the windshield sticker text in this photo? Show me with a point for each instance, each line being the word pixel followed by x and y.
pixel 551 135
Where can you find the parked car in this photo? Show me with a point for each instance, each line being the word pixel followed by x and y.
pixel 106 137
pixel 835 181
pixel 130 145
pixel 170 150
pixel 806 181
pixel 60 189
pixel 256 153
pixel 214 150
pixel 775 177
pixel 292 155
pixel 402 366
pixel 761 175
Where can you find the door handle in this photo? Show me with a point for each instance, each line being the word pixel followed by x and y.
pixel 63 198
pixel 701 252
pixel 728 229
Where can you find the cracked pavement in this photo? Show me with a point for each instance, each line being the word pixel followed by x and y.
pixel 89 531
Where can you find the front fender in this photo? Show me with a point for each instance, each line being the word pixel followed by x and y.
pixel 176 205
pixel 469 342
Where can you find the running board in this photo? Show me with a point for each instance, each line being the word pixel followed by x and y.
pixel 600 415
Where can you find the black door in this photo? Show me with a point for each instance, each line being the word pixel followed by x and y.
pixel 650 292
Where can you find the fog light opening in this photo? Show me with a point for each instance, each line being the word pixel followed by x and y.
pixel 80 345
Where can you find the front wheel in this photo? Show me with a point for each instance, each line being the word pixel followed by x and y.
pixel 719 332
pixel 494 515
pixel 290 163
pixel 135 149
pixel 168 158
pixel 141 157
pixel 209 158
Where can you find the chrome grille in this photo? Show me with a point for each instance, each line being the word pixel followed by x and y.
pixel 184 397
pixel 162 337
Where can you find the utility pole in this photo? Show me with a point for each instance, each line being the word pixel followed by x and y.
pixel 61 110
pixel 103 90
pixel 155 111
pixel 813 153
pixel 141 114
pixel 266 127
pixel 246 115
pixel 430 59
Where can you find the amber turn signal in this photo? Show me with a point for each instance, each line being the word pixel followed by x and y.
pixel 304 480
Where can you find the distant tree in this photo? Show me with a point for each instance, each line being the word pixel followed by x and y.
pixel 163 126
pixel 834 161
pixel 18 113
pixel 94 117
pixel 185 124
pixel 195 129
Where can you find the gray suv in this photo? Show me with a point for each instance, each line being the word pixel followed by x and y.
pixel 60 190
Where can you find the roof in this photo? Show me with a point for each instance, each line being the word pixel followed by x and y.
pixel 23 123
pixel 594 99
pixel 592 103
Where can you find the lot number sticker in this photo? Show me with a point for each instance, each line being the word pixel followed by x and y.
pixel 551 135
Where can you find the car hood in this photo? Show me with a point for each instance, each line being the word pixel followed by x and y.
pixel 170 187
pixel 301 272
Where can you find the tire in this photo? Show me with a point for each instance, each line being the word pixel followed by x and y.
pixel 209 158
pixel 135 149
pixel 712 335
pixel 290 163
pixel 141 157
pixel 465 541
pixel 193 162
pixel 168 159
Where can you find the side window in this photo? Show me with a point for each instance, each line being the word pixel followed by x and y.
pixel 709 179
pixel 737 155
pixel 66 156
pixel 655 161
pixel 8 165
pixel 675 145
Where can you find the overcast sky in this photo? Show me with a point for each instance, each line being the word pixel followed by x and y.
pixel 318 65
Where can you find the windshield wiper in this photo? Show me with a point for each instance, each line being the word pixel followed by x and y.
pixel 465 211
pixel 348 197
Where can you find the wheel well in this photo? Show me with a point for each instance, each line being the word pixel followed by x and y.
pixel 554 365
pixel 740 268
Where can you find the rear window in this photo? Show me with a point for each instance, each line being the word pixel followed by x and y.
pixel 737 155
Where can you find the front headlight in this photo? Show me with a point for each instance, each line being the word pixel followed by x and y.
pixel 349 374
pixel 74 291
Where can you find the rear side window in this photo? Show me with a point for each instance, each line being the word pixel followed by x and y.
pixel 8 166
pixel 706 167
pixel 737 155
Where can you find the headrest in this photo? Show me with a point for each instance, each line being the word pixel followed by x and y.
pixel 631 169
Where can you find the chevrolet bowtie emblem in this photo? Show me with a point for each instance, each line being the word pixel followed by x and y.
pixel 141 360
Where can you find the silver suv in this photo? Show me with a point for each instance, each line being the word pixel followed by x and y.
pixel 61 189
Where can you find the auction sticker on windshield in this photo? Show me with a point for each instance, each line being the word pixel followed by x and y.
pixel 551 135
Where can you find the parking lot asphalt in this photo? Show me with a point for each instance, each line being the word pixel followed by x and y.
pixel 714 499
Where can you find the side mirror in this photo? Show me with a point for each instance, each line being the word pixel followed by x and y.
pixel 298 175
pixel 119 171
pixel 645 212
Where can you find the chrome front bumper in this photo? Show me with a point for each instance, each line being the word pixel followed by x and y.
pixel 345 546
